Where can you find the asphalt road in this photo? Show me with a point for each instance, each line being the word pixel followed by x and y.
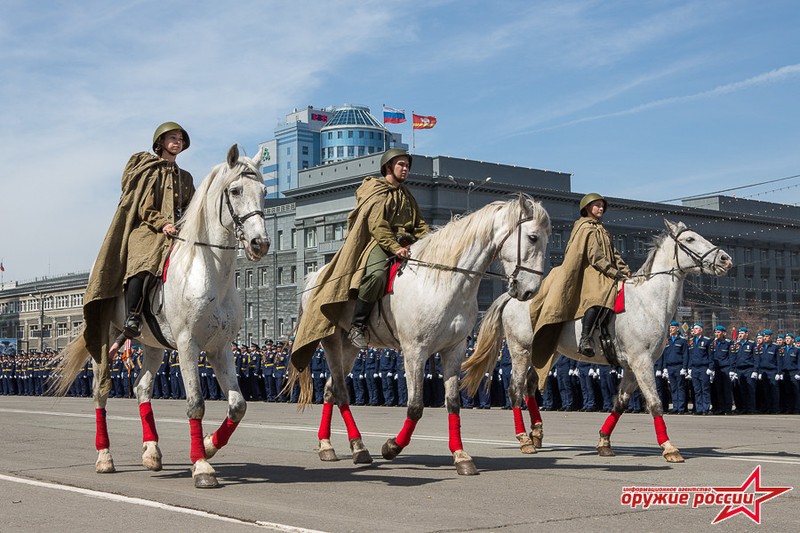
pixel 272 478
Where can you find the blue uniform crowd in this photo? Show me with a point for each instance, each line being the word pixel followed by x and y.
pixel 378 377
pixel 696 374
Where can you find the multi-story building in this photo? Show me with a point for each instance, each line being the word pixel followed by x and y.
pixel 311 137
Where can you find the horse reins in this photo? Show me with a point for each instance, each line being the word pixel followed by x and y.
pixel 699 260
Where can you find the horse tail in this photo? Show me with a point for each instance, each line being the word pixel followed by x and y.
pixel 303 378
pixel 73 358
pixel 490 338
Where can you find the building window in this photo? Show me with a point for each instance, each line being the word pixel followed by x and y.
pixel 248 280
pixel 360 134
pixel 237 280
pixel 639 247
pixel 351 151
pixel 61 329
pixel 748 255
pixel 349 134
pixel 779 258
pixel 281 327
pixel 380 136
pixel 372 149
pixel 311 267
pixel 304 150
pixel 555 240
pixel 293 275
pixel 764 256
pixel 748 282
pixel 780 284
pixel 795 259
pixel 372 135
pixel 264 275
pixel 338 134
pixel 280 239
pixel 765 283
pixel 264 328
pixel 311 237
pixel 340 151
pixel 330 135
pixel 362 150
pixel 335 232
pixel 305 164
pixel 795 285
pixel 249 310
pixel 619 244
pixel 280 275
pixel 294 238
pixel 288 150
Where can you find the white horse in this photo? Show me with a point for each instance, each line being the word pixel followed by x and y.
pixel 201 311
pixel 433 308
pixel 651 299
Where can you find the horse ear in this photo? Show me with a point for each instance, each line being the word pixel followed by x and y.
pixel 233 156
pixel 523 204
pixel 672 228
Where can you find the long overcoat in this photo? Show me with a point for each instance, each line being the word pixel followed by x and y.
pixel 585 279
pixel 152 189
pixel 382 211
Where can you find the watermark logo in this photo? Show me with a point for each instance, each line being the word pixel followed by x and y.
pixel 745 499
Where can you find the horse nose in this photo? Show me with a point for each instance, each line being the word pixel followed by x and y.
pixel 259 245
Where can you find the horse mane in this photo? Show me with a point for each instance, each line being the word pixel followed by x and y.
pixel 647 268
pixel 447 244
pixel 193 224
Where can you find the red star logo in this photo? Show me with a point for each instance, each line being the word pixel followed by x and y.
pixel 754 480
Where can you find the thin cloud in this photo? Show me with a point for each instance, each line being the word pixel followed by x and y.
pixel 773 76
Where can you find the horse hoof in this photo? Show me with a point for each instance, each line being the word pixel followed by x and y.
pixel 390 449
pixel 104 467
pixel 527 449
pixel 537 434
pixel 151 456
pixel 362 457
pixel 674 457
pixel 208 444
pixel 465 466
pixel 605 451
pixel 152 463
pixel 205 481
pixel 328 455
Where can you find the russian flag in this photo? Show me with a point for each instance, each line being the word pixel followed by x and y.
pixel 393 116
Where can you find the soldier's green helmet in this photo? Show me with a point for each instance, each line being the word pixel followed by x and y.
pixel 169 126
pixel 589 198
pixel 390 154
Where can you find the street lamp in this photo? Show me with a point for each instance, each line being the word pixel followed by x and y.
pixel 41 300
pixel 471 187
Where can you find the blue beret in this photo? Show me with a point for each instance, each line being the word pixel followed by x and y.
pixel 698 324
pixel 673 323
pixel 743 328
pixel 789 335
pixel 720 328
pixel 767 332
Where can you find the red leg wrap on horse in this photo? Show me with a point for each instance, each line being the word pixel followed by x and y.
pixel 101 440
pixel 349 423
pixel 404 437
pixel 611 422
pixel 221 435
pixel 661 429
pixel 454 422
pixel 325 423
pixel 519 423
pixel 148 422
pixel 197 450
pixel 533 409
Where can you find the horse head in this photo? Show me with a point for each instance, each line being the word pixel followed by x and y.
pixel 244 196
pixel 695 254
pixel 522 250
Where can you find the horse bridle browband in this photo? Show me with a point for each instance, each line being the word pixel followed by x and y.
pixel 699 260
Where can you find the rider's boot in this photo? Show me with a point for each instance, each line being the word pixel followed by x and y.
pixel 358 334
pixel 134 298
pixel 587 325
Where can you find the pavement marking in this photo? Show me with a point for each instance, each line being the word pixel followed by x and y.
pixel 157 505
pixel 550 446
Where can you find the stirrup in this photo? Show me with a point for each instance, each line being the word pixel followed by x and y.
pixel 133 327
pixel 358 336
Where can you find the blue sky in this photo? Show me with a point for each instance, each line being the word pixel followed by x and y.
pixel 649 100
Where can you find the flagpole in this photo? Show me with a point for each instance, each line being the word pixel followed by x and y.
pixel 385 131
pixel 413 136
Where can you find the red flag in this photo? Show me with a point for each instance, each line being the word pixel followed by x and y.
pixel 422 122
pixel 2 268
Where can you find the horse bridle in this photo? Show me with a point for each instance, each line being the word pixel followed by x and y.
pixel 699 260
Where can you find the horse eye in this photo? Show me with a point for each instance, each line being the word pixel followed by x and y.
pixel 689 239
pixel 236 191
pixel 533 238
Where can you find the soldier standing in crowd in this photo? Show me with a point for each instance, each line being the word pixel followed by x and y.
pixel 268 371
pixel 791 372
pixel 400 378
pixel 371 376
pixel 254 373
pixel 745 386
pixel 724 362
pixel 562 371
pixel 318 376
pixel 386 375
pixel 701 368
pixel 770 373
pixel 505 372
pixel 175 377
pixel 280 373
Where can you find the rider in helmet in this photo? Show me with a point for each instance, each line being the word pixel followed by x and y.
pixel 385 221
pixel 155 194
